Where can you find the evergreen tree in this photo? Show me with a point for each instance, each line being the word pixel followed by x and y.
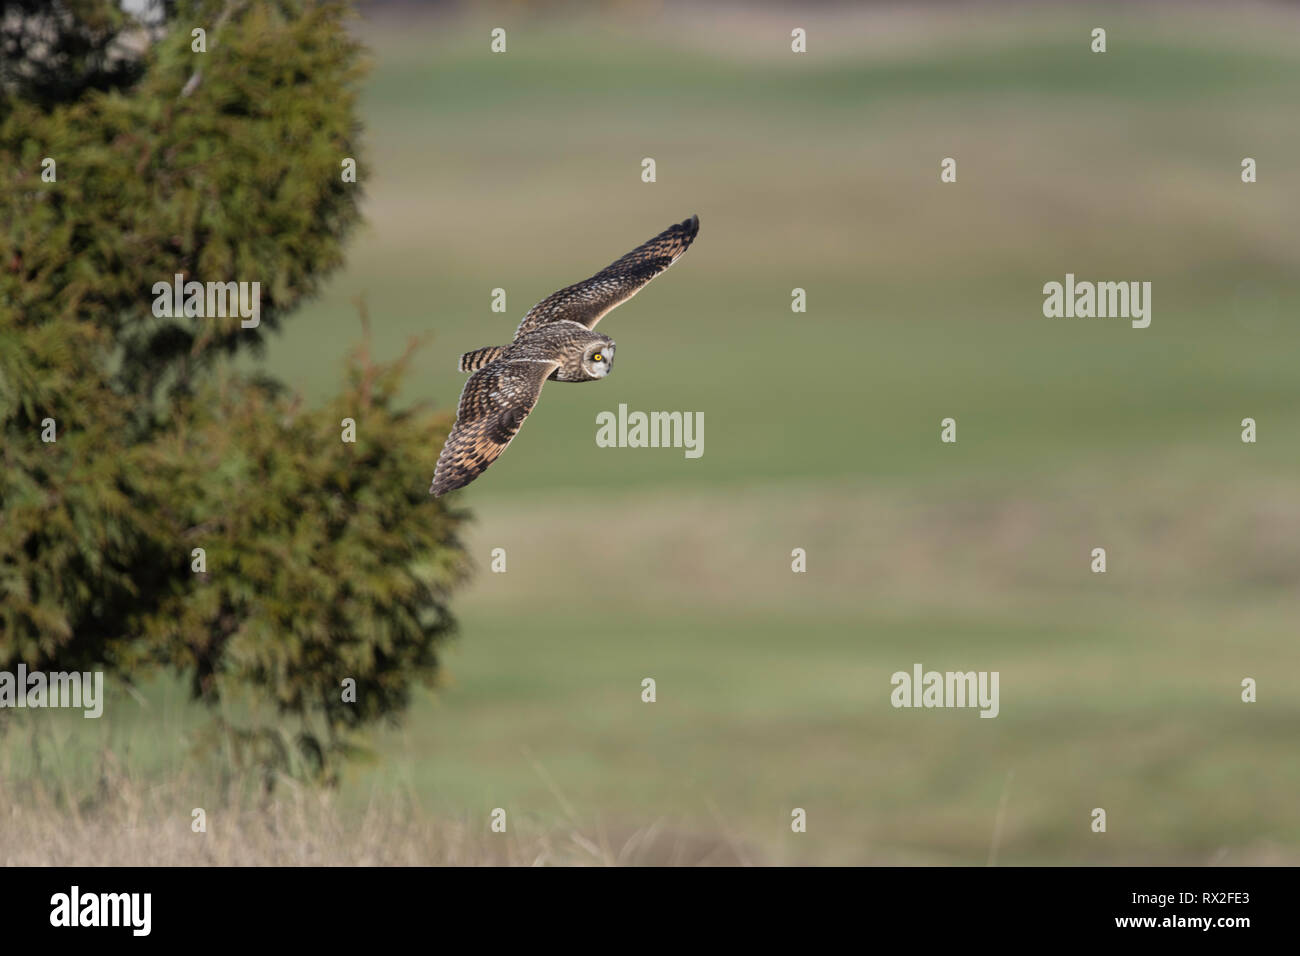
pixel 321 560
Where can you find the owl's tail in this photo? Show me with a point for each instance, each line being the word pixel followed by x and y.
pixel 476 359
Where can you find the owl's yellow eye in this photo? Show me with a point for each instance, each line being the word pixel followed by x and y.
pixel 596 357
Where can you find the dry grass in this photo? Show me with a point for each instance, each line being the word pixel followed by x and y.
pixel 127 821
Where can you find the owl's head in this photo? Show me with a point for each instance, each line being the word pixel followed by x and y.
pixel 598 358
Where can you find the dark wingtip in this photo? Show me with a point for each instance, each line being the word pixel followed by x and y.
pixel 445 482
pixel 441 484
pixel 692 225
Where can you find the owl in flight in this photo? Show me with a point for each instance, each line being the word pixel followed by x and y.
pixel 555 340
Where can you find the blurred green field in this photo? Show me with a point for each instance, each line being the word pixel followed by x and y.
pixel 822 429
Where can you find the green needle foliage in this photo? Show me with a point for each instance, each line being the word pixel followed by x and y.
pixel 322 561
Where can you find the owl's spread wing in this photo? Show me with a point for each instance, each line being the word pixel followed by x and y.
pixel 587 302
pixel 494 403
